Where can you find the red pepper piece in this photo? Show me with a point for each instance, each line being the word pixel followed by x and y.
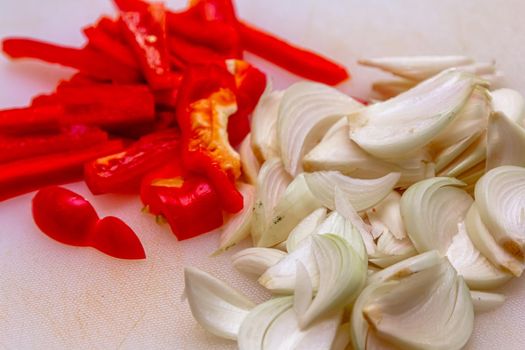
pixel 115 238
pixel 123 172
pixel 69 139
pixel 145 31
pixel 111 27
pixel 70 219
pixel 206 100
pixel 44 100
pixel 31 119
pixel 190 53
pixel 85 60
pixel 189 203
pixel 215 10
pixel 30 174
pixel 251 84
pixel 64 215
pixel 111 46
pixel 296 60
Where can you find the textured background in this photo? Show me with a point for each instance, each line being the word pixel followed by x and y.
pixel 58 297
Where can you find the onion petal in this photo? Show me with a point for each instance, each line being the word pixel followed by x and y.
pixel 388 212
pixel 264 120
pixel 250 164
pixel 485 301
pixel 305 228
pixel 255 260
pixel 505 142
pixel 511 103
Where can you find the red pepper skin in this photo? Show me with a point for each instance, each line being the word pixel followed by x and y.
pixel 190 53
pixel 27 175
pixel 123 172
pixel 69 139
pixel 251 84
pixel 115 238
pixel 145 32
pixel 296 60
pixel 70 219
pixel 111 46
pixel 29 120
pixel 64 215
pixel 203 90
pixel 85 60
pixel 214 10
pixel 189 202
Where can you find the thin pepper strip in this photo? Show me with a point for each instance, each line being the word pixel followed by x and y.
pixel 190 53
pixel 19 121
pixel 299 61
pixel 85 60
pixel 111 46
pixel 206 100
pixel 27 175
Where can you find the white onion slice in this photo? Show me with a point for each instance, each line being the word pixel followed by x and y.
pixel 237 226
pixel 256 261
pixel 416 67
pixel 305 228
pixel 391 88
pixel 431 210
pixel 511 103
pixel 264 120
pixel 304 290
pixel 484 301
pixel 478 271
pixel 395 128
pixel 388 212
pixel 306 112
pixel 342 337
pixel 217 307
pixel 272 181
pixel 505 142
pixel 391 250
pixel 362 193
pixel 487 245
pixel 444 157
pixel 500 199
pixel 250 164
pixel 472 155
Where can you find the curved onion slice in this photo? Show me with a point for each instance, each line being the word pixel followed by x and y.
pixel 511 103
pixel 391 250
pixel 306 112
pixel 472 155
pixel 431 210
pixel 256 260
pixel 338 153
pixel 342 337
pixel 388 212
pixel 305 228
pixel 237 226
pixel 342 275
pixel 416 67
pixel 429 310
pixel 395 128
pixel 486 244
pixel 217 307
pixel 505 142
pixel 444 157
pixel 484 301
pixel 500 199
pixel 271 184
pixel 393 87
pixel 250 164
pixel 478 271
pixel 264 120
pixel 362 193
pixel 297 202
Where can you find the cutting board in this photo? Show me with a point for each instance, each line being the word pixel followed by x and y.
pixel 58 297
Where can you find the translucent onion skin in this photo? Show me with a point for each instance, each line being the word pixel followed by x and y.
pixel 505 142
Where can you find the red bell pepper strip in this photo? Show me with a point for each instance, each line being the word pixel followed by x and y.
pixel 27 175
pixel 31 119
pixel 296 60
pixel 111 27
pixel 111 46
pixel 70 219
pixel 123 172
pixel 85 60
pixel 214 10
pixel 70 139
pixel 188 202
pixel 206 100
pixel 145 32
pixel 251 84
pixel 190 53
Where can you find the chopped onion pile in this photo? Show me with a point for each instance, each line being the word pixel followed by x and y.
pixel 376 227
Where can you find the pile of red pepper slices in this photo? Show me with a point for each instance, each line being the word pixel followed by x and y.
pixel 158 101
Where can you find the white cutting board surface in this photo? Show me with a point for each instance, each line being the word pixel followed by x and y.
pixel 58 297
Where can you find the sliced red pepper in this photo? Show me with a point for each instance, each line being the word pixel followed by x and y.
pixel 70 219
pixel 31 119
pixel 69 139
pixel 190 53
pixel 215 10
pixel 206 100
pixel 27 175
pixel 251 84
pixel 111 46
pixel 145 31
pixel 123 172
pixel 188 202
pixel 299 61
pixel 85 60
